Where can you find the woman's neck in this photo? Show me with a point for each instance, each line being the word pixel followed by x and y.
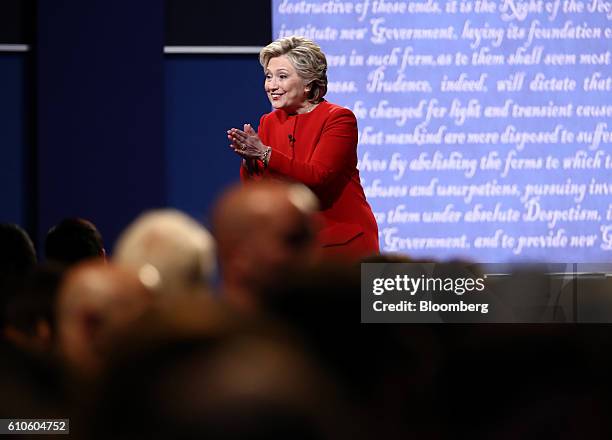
pixel 307 108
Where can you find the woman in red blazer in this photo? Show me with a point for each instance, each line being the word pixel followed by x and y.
pixel 309 140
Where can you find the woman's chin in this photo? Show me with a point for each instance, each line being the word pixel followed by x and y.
pixel 277 105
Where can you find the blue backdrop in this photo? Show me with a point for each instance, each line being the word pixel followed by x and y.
pixel 205 96
pixel 13 141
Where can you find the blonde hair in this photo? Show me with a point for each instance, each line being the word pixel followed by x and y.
pixel 177 248
pixel 307 58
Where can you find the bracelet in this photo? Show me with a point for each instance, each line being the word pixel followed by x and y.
pixel 265 157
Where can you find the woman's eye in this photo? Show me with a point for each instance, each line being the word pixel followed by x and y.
pixel 283 76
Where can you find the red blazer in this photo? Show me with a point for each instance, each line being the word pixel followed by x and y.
pixel 319 149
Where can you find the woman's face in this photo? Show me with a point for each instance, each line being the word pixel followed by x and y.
pixel 285 88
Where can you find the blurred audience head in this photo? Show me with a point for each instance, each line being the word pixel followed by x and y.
pixel 171 252
pixel 216 378
pixel 17 254
pixel 96 302
pixel 30 312
pixel 17 260
pixel 73 240
pixel 30 383
pixel 264 231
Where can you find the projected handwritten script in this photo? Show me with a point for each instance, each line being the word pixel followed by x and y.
pixel 485 127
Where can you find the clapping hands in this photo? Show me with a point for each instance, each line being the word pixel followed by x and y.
pixel 246 143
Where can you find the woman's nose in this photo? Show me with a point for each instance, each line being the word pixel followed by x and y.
pixel 273 84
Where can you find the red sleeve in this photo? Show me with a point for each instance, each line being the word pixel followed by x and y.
pixel 335 151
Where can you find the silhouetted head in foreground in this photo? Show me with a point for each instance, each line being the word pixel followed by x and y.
pixel 96 302
pixel 73 240
pixel 264 230
pixel 187 375
pixel 17 254
pixel 17 260
pixel 30 311
pixel 171 252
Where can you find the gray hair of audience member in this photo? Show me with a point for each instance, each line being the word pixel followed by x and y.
pixel 307 58
pixel 170 251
